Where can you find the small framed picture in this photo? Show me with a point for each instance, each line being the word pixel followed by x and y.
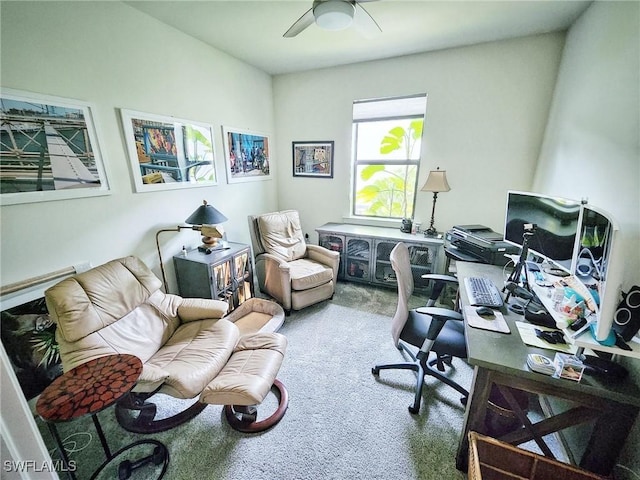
pixel 313 159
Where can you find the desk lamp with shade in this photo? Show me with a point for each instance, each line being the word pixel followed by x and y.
pixel 205 219
pixel 436 183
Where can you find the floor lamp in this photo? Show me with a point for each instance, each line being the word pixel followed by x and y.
pixel 204 220
pixel 436 183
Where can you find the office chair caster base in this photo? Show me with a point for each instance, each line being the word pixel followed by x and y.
pixel 413 410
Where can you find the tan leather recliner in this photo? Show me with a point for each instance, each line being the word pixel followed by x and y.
pixel 187 346
pixel 295 274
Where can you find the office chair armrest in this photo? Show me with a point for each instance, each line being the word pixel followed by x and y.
pixel 439 283
pixel 439 317
pixel 439 278
pixel 442 313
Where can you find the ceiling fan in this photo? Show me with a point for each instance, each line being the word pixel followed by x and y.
pixel 336 15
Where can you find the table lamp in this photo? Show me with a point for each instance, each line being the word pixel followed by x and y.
pixel 206 220
pixel 436 183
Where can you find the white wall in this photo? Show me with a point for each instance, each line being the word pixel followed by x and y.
pixel 117 57
pixel 487 107
pixel 592 143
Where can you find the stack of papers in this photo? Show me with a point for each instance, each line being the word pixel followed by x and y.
pixel 527 332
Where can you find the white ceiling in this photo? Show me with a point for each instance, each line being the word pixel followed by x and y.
pixel 252 30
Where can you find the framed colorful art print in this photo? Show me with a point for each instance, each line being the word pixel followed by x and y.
pixel 247 155
pixel 313 159
pixel 168 153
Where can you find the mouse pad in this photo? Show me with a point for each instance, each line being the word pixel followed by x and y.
pixel 496 324
pixel 528 334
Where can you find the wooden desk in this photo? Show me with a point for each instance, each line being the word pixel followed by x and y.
pixel 501 359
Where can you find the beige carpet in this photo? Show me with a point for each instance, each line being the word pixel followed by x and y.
pixel 342 422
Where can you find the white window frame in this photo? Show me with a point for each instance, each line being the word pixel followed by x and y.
pixel 385 109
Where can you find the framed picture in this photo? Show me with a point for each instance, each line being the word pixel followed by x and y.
pixel 49 149
pixel 168 153
pixel 313 159
pixel 246 155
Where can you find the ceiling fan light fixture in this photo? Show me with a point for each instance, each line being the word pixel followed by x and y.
pixel 334 14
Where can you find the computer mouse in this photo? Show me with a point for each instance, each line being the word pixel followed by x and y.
pixel 485 312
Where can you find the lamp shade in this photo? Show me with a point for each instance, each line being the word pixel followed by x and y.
pixel 205 214
pixel 333 14
pixel 436 182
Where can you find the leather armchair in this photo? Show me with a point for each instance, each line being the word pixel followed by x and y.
pixel 188 347
pixel 295 274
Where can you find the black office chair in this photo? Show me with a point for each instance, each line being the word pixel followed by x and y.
pixel 430 329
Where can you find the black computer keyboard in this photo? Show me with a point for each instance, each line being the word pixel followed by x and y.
pixel 482 292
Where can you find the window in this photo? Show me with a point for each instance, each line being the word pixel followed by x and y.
pixel 387 139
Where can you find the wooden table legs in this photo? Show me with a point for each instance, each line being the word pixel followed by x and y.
pixel 613 420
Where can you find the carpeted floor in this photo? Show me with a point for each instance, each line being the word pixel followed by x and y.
pixel 342 422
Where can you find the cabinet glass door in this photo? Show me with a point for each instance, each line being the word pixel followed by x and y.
pixel 242 277
pixel 358 259
pixel 422 262
pixel 335 243
pixel 222 282
pixel 384 273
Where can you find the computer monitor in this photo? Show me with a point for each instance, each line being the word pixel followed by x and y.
pixel 599 266
pixel 554 222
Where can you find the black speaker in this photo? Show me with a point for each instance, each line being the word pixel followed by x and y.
pixel 626 320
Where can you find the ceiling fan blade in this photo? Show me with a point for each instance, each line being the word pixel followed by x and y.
pixel 303 22
pixel 364 22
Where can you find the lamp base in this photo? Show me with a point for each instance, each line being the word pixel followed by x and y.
pixel 431 232
pixel 213 247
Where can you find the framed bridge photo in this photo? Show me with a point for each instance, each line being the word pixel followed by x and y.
pixel 168 153
pixel 49 149
pixel 313 159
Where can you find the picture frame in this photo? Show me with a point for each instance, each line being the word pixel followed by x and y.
pixel 168 153
pixel 247 155
pixel 313 159
pixel 49 149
